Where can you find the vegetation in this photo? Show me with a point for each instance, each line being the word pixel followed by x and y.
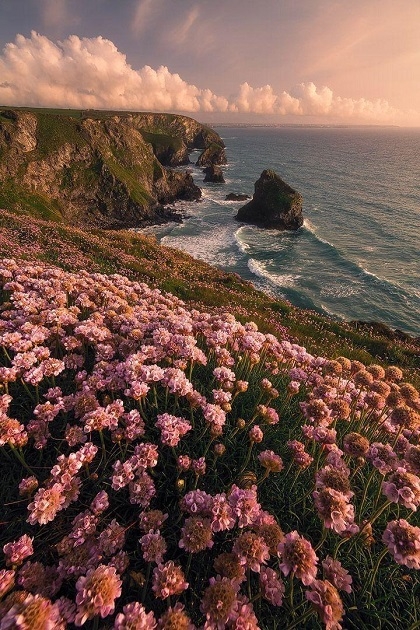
pixel 165 464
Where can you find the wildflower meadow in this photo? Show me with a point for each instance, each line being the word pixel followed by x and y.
pixel 171 469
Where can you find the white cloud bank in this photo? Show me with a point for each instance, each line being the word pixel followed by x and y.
pixel 93 73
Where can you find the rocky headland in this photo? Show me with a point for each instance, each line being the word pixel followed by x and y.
pixel 274 204
pixel 104 169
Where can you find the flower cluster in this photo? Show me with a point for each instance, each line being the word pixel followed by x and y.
pixel 188 461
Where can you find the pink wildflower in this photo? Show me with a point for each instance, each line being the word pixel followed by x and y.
pixel 96 593
pixel 151 520
pixel 403 487
pixel 334 509
pixel 175 619
pixel 172 428
pixel 222 514
pixel 335 573
pixel 28 486
pixel 298 557
pixel 7 581
pixel 142 490
pixel 100 503
pixel 251 550
pixel 168 579
pixel 272 587
pixel 219 602
pixel 153 546
pixel 112 538
pixel 184 462
pixel 243 617
pixel 403 542
pixel 270 461
pixel 17 551
pixel 255 434
pixel 196 534
pixel 135 617
pixel 47 502
pixel 244 504
pixel 37 578
pixel 327 602
pixel 199 466
pixel 34 611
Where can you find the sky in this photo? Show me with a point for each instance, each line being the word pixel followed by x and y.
pixel 261 61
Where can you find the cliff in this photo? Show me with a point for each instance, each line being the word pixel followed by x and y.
pixel 97 168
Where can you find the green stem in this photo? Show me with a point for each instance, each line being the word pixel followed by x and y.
pixel 247 458
pixel 21 459
pixel 368 587
pixel 101 435
pixel 146 582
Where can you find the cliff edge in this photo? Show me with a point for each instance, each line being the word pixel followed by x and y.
pixel 105 169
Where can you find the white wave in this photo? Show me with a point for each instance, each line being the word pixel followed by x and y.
pixel 242 245
pixel 214 246
pixel 369 273
pixel 313 229
pixel 259 269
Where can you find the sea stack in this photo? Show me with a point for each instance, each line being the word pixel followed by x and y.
pixel 274 204
pixel 214 174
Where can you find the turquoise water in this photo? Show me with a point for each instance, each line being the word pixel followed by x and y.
pixel 357 255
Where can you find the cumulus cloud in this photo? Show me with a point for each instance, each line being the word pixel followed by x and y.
pixel 308 100
pixel 93 73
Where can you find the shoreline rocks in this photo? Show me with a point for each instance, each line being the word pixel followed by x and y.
pixel 214 174
pixel 274 205
pixel 236 197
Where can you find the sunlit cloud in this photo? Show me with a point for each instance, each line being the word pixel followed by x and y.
pixel 180 33
pixel 93 73
pixel 142 14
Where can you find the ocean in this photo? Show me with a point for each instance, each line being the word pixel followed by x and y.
pixel 357 255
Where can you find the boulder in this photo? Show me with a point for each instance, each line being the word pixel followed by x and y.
pixel 274 204
pixel 236 197
pixel 214 174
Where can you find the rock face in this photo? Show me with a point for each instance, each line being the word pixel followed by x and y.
pixel 214 174
pixel 97 168
pixel 274 204
pixel 213 154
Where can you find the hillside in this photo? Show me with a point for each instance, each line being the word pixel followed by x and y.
pixel 140 257
pixel 98 168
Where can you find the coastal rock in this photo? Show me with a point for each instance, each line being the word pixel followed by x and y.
pixel 98 169
pixel 213 154
pixel 214 174
pixel 274 204
pixel 236 197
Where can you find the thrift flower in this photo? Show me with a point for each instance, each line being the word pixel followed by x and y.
pixel 298 557
pixel 96 593
pixel 403 542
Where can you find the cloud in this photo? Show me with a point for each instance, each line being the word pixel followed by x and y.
pixel 141 15
pixel 93 73
pixel 308 100
pixel 179 35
